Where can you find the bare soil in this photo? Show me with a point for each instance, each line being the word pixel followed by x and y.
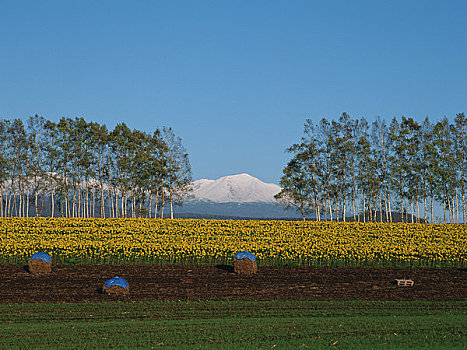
pixel 83 283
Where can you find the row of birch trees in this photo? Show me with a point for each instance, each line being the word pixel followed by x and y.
pixel 75 168
pixel 349 169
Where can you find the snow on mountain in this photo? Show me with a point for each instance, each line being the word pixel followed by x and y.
pixel 241 188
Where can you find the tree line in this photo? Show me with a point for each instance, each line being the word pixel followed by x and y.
pixel 75 168
pixel 349 169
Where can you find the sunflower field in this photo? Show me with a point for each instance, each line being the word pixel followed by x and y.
pixel 194 241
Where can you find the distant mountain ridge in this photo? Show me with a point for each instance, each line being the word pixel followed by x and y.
pixel 234 196
pixel 240 188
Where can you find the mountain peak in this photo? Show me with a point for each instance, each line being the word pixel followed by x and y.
pixel 237 176
pixel 240 188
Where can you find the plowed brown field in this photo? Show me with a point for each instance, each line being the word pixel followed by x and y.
pixel 173 282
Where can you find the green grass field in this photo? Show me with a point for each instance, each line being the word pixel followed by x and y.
pixel 239 325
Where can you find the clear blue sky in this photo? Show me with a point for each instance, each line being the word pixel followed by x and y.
pixel 234 79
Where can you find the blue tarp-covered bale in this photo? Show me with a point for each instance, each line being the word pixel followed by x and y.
pixel 245 263
pixel 117 286
pixel 40 263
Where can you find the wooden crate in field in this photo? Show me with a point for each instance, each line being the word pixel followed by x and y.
pixel 404 282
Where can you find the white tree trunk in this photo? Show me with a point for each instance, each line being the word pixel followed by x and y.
pixel 463 207
pixel 53 203
pixel 418 209
pixel 27 203
pixel 150 206
pixel 162 208
pixel 1 200
pixel 343 211
pixel 425 210
pixel 431 209
pixel 36 201
pixel 101 186
pixel 111 203
pixel 156 204
pixel 389 207
pixel 171 208
pixel 380 207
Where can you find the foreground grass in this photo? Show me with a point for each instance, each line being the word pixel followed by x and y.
pixel 243 324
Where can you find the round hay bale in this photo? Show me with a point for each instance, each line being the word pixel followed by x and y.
pixel 116 290
pixel 245 263
pixel 116 286
pixel 40 263
pixel 245 266
pixel 38 266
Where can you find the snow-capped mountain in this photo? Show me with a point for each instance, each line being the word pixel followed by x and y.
pixel 241 188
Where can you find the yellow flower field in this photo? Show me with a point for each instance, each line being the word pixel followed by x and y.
pixel 215 241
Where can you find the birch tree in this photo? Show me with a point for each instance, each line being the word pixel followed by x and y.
pixel 36 141
pixel 296 189
pixel 178 176
pixel 5 164
pixel 461 157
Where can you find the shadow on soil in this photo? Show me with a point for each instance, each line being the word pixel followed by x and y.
pixel 226 268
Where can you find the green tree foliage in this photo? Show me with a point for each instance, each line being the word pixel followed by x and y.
pixel 296 188
pixel 178 169
pixel 460 139
pixel 73 168
pixel 413 165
